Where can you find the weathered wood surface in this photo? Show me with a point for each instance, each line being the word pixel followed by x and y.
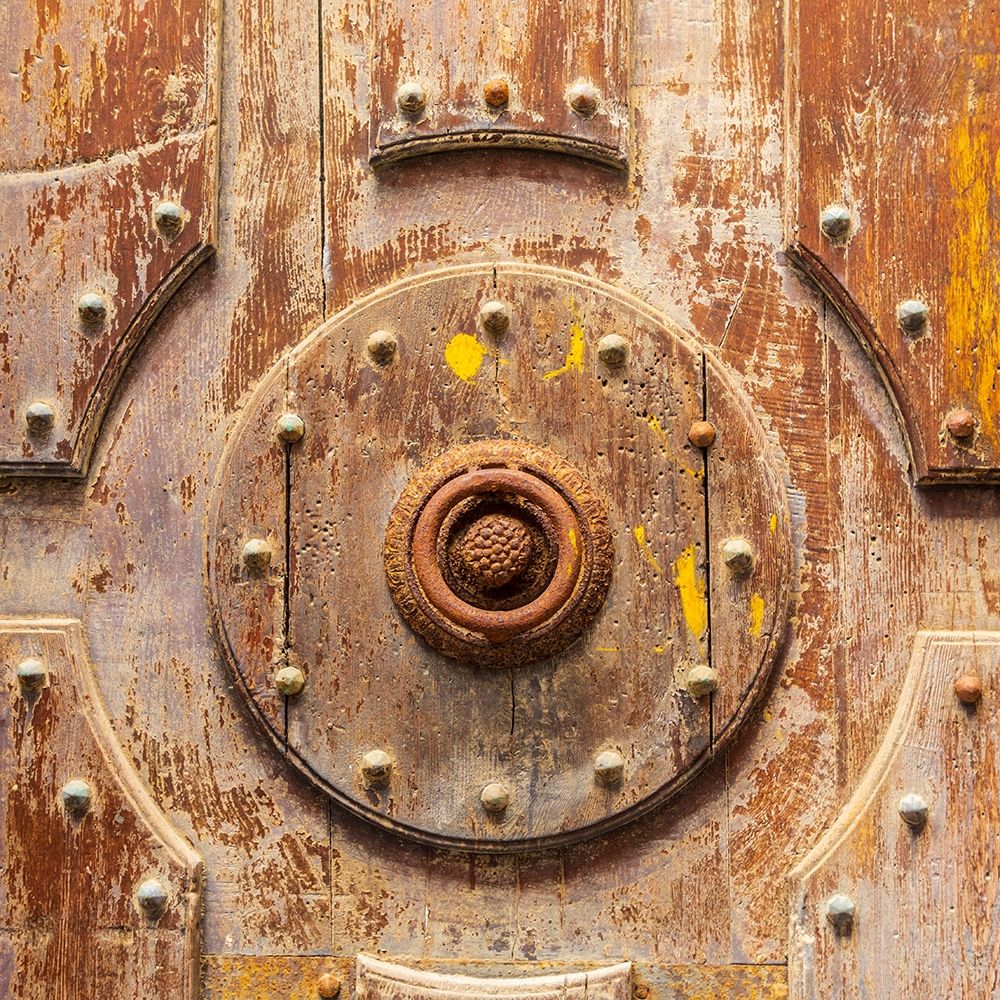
pixel 894 117
pixel 70 920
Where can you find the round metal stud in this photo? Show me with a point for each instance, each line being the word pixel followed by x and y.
pixel 584 99
pixel 31 674
pixel 76 796
pixel 152 897
pixel 496 93
pixel 840 912
pixel 382 347
pixel 609 766
pixel 290 427
pixel 495 317
pixel 913 809
pixel 702 434
pixel 327 986
pixel 961 423
pixel 411 98
pixel 169 218
pixel 92 308
pixel 737 554
pixel 257 555
pixel 289 681
pixel 912 316
pixel 612 350
pixel 39 417
pixel 968 689
pixel 376 767
pixel 836 222
pixel 495 797
pixel 702 680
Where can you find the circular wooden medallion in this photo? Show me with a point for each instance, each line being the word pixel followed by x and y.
pixel 523 596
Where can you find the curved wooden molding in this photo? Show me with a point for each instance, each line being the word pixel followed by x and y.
pixel 77 198
pixel 925 922
pixel 905 133
pixel 379 980
pixel 70 925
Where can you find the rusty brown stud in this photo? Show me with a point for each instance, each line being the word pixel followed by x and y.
pixel 836 222
pixel 702 434
pixel 39 417
pixel 584 99
pixel 961 423
pixel 496 92
pixel 612 349
pixel 290 427
pixel 968 689
pixel 495 317
pixel 257 555
pixel 737 554
pixel 912 316
pixel 327 986
pixel 913 810
pixel 640 991
pixel 382 347
pixel 31 674
pixel 92 308
pixel 411 98
pixel 169 218
pixel 701 680
pixel 494 797
pixel 609 766
pixel 840 912
pixel 376 767
pixel 289 681
pixel 152 897
pixel 76 796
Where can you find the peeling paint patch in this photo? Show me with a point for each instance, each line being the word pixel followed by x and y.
pixel 639 531
pixel 691 588
pixel 464 356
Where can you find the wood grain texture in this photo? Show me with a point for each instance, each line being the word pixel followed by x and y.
pixel 894 117
pixel 924 901
pixel 70 923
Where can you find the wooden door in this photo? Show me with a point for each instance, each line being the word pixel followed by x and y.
pixel 499 499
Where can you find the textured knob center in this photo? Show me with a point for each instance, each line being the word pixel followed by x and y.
pixel 496 550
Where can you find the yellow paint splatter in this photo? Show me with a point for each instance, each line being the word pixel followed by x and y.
pixel 608 649
pixel 576 549
pixel 464 355
pixel 657 428
pixel 574 353
pixel 756 614
pixel 659 650
pixel 647 553
pixel 691 588
pixel 774 524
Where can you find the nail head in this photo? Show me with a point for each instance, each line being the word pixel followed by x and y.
pixel 169 217
pixel 327 986
pixel 257 555
pixel 382 347
pixel 411 98
pixel 609 766
pixel 494 797
pixel 835 221
pixel 152 897
pixel 612 349
pixel 376 767
pixel 961 423
pixel 737 554
pixel 92 308
pixel 968 689
pixel 913 809
pixel 495 317
pixel 702 680
pixel 496 92
pixel 584 99
pixel 840 911
pixel 289 681
pixel 290 427
pixel 702 434
pixel 912 316
pixel 76 796
pixel 31 673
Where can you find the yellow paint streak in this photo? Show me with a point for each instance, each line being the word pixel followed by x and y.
pixel 464 355
pixel 647 553
pixel 756 614
pixel 608 649
pixel 774 524
pixel 972 297
pixel 574 353
pixel 691 588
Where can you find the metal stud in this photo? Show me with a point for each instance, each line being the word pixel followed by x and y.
pixel 92 308
pixel 31 674
pixel 257 555
pixel 612 349
pixel 496 92
pixel 495 797
pixel 382 347
pixel 289 681
pixel 609 766
pixel 968 689
pixel 411 98
pixel 737 554
pixel 701 680
pixel 961 423
pixel 840 912
pixel 376 767
pixel 327 986
pixel 152 897
pixel 913 809
pixel 584 99
pixel 169 218
pixel 495 317
pixel 702 434
pixel 836 221
pixel 912 316
pixel 76 796
pixel 39 417
pixel 290 427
